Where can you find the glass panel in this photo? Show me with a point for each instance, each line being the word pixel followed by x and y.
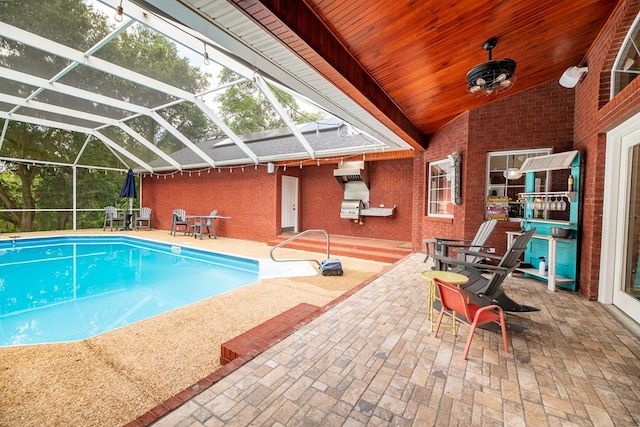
pixel 24 140
pixel 118 88
pixel 16 56
pixel 96 153
pixel 627 67
pixel 631 281
pixel 60 118
pixel 73 28
pixel 80 104
pixel 145 51
pixel 14 88
pixel 440 189
pixel 505 180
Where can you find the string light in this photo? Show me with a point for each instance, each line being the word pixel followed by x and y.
pixel 119 10
pixel 206 56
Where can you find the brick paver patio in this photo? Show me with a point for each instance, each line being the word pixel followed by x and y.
pixel 372 360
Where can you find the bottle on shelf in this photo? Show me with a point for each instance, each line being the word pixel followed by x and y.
pixel 542 267
pixel 570 183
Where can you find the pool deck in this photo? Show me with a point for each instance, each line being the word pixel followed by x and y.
pixel 371 359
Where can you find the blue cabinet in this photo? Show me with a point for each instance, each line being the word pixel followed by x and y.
pixel 542 202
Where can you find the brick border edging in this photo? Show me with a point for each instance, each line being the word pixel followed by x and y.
pixel 185 395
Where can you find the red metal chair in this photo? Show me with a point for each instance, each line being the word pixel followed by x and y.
pixel 456 301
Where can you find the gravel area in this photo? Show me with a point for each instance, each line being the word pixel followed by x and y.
pixel 115 377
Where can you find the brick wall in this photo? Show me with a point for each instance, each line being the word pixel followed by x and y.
pixel 249 198
pixel 447 140
pixel 541 117
pixel 538 118
pixel 596 114
pixel 390 184
pixel 252 199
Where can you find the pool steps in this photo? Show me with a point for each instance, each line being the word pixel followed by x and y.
pixel 372 249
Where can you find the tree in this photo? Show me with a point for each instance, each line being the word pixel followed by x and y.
pixel 245 110
pixel 75 24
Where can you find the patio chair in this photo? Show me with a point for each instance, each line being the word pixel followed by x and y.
pixel 203 222
pixel 441 245
pixel 179 219
pixel 143 217
pixel 111 217
pixel 456 304
pixel 487 289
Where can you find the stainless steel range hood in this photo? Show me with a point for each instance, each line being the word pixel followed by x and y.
pixel 354 179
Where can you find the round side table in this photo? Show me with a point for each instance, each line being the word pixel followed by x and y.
pixel 447 276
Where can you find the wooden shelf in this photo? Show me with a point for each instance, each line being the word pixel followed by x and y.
pixel 534 272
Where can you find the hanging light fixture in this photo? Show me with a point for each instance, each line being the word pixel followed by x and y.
pixel 206 61
pixel 491 76
pixel 119 11
pixel 512 172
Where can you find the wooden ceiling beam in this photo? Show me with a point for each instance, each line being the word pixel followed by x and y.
pixel 300 20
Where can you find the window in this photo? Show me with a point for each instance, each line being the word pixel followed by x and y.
pixel 440 189
pixel 627 65
pixel 505 181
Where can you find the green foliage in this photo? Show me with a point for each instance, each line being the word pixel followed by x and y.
pixel 245 110
pixel 77 25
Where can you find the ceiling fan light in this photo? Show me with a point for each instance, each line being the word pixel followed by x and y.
pixel 491 76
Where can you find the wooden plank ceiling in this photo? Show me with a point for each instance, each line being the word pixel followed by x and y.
pixel 405 61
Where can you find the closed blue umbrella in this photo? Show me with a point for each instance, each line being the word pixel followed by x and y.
pixel 129 191
pixel 129 187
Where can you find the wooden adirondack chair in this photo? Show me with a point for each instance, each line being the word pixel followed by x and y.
pixel 143 219
pixel 111 217
pixel 441 245
pixel 487 289
pixel 179 219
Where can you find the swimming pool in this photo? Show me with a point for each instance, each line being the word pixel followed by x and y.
pixel 67 288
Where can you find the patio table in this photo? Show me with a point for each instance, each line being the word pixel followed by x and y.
pixel 200 223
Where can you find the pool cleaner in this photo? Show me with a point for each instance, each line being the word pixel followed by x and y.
pixel 331 267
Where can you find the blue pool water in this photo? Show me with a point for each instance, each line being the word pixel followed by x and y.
pixel 69 288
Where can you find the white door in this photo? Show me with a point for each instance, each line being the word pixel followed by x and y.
pixel 620 261
pixel 627 293
pixel 290 204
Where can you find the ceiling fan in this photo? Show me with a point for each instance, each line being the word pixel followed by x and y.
pixel 493 76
